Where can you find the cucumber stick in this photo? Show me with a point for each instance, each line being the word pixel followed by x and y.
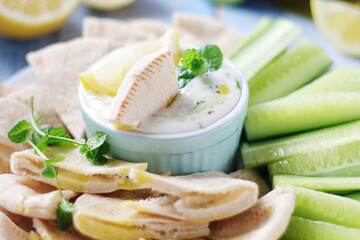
pixel 260 153
pixel 324 184
pixel 288 72
pixel 342 160
pixel 354 195
pixel 320 206
pixel 299 113
pixel 305 229
pixel 339 80
pixel 259 29
pixel 264 48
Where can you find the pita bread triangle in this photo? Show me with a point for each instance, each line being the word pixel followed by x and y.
pixel 197 197
pixel 76 173
pixel 105 218
pixel 267 220
pixel 57 67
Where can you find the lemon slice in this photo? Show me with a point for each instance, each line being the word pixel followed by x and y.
pixel 339 21
pixel 24 19
pixel 106 75
pixel 107 5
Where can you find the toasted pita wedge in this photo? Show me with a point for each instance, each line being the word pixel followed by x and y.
pixel 123 32
pixel 198 197
pixel 47 231
pixel 27 197
pixel 105 218
pixel 210 31
pixel 149 85
pixel 252 175
pixel 9 230
pixel 25 223
pixel 267 220
pixel 76 173
pixel 6 89
pixel 15 107
pixel 57 66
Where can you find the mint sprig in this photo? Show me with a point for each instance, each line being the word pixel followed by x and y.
pixel 198 62
pixel 94 149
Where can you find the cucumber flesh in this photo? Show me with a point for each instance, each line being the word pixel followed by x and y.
pixel 342 160
pixel 339 80
pixel 288 72
pixel 260 153
pixel 300 113
pixel 320 206
pixel 324 184
pixel 267 46
pixel 259 29
pixel 305 229
pixel 354 195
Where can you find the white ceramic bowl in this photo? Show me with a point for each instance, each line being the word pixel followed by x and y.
pixel 211 148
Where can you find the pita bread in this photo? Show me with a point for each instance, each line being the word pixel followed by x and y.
pixel 198 197
pixel 76 173
pixel 9 230
pixel 48 231
pixel 6 89
pixel 210 31
pixel 16 107
pixel 105 218
pixel 252 175
pixel 267 220
pixel 25 223
pixel 123 33
pixel 57 66
pixel 27 197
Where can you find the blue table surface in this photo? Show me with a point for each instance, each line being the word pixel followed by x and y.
pixel 243 17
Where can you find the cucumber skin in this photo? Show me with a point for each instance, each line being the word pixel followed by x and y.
pixel 259 29
pixel 266 47
pixel 354 195
pixel 320 206
pixel 300 113
pixel 288 72
pixel 324 184
pixel 340 161
pixel 304 229
pixel 329 82
pixel 261 153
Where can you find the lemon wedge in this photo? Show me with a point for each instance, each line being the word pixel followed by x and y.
pixel 23 19
pixel 106 75
pixel 107 5
pixel 339 21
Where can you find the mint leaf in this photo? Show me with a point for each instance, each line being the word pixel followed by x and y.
pixel 213 56
pixel 42 144
pixel 192 60
pixel 64 214
pixel 95 147
pixel 36 137
pixel 20 132
pixel 58 132
pixel 49 171
pixel 96 141
pixel 184 76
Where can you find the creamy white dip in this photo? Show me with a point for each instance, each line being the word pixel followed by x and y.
pixel 205 100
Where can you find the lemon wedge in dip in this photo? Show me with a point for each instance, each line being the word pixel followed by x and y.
pixel 106 75
pixel 107 5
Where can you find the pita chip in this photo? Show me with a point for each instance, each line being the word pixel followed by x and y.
pixel 57 67
pixel 76 173
pixel 121 32
pixel 210 31
pixel 27 197
pixel 48 231
pixel 16 107
pixel 198 197
pixel 6 89
pixel 252 175
pixel 105 218
pixel 9 230
pixel 267 220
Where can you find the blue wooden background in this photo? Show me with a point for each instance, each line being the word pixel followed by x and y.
pixel 242 17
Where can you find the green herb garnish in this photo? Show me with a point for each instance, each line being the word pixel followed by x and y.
pixel 198 62
pixel 94 149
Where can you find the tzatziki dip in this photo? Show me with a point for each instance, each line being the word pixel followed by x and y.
pixel 202 102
